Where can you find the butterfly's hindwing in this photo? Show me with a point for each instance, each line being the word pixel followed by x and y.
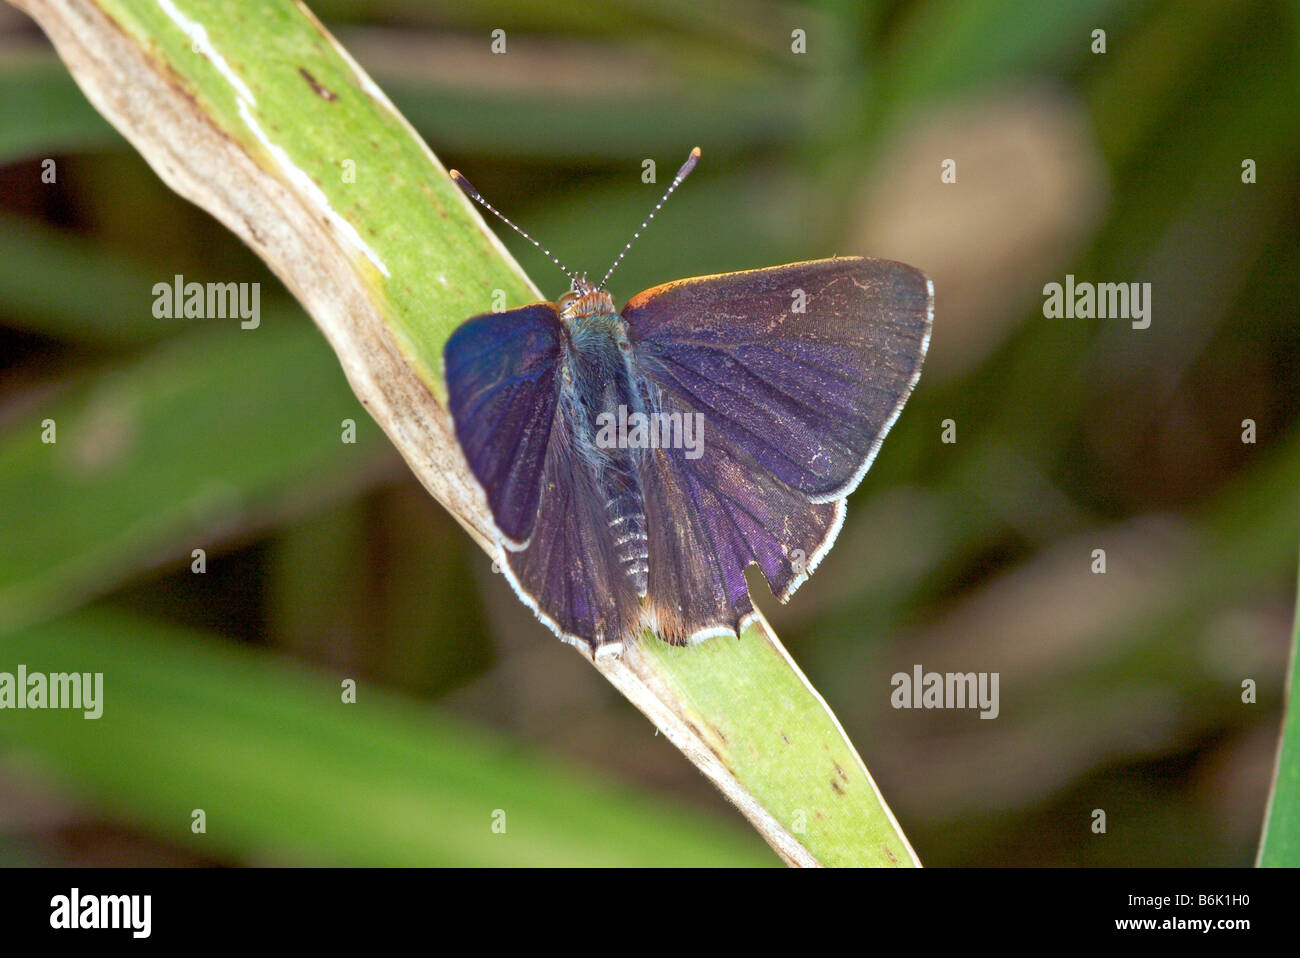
pixel 570 572
pixel 711 517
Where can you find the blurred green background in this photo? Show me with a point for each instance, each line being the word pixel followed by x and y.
pixel 327 561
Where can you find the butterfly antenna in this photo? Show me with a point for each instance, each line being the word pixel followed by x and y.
pixel 468 189
pixel 677 181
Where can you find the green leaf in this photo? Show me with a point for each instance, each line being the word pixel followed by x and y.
pixel 777 736
pixel 163 454
pixel 287 773
pixel 946 45
pixel 275 83
pixel 43 281
pixel 43 113
pixel 1280 845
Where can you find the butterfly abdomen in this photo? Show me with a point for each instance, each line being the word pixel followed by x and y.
pixel 602 397
pixel 627 528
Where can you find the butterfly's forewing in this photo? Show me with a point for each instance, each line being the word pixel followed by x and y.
pixel 503 383
pixel 803 367
pixel 795 405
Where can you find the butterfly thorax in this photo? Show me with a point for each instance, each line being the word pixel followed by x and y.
pixel 599 396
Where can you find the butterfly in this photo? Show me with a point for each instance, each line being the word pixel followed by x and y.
pixel 636 462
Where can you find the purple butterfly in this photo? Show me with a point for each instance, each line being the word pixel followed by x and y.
pixel 636 463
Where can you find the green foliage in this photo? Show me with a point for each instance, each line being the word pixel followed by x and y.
pixel 284 770
pixel 1280 847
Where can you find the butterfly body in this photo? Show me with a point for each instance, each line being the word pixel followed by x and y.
pixel 598 383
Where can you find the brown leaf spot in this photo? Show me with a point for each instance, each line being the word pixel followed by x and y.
pixel 320 90
pixel 835 786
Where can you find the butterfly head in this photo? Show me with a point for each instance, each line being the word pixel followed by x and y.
pixel 584 298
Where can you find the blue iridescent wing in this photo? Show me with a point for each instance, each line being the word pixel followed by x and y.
pixel 795 405
pixel 503 384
